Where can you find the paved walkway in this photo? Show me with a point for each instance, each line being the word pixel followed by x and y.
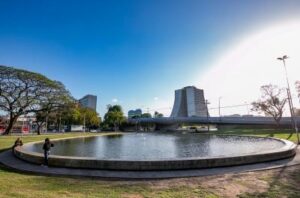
pixel 10 161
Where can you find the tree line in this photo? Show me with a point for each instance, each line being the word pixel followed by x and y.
pixel 28 93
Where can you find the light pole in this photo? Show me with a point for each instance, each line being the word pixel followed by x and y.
pixel 207 114
pixel 220 107
pixel 84 123
pixel 247 107
pixel 59 126
pixel 294 123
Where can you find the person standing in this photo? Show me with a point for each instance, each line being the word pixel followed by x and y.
pixel 46 147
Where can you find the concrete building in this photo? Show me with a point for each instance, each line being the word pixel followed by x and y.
pixel 189 102
pixel 134 113
pixel 89 101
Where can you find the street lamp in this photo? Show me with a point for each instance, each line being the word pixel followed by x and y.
pixel 246 103
pixel 220 107
pixel 207 114
pixel 283 58
pixel 84 123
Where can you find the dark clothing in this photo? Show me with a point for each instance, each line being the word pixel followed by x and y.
pixel 46 156
pixel 46 147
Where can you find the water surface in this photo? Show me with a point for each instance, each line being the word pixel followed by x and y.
pixel 158 146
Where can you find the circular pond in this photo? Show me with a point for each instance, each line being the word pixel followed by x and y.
pixel 159 151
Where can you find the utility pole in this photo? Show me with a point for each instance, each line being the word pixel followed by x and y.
pixel 219 107
pixel 294 122
pixel 247 108
pixel 84 123
pixel 207 114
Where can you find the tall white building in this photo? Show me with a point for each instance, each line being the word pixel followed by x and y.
pixel 89 101
pixel 189 102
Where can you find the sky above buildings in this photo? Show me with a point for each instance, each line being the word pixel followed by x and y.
pixel 136 53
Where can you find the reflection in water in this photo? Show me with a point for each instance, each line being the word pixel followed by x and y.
pixel 150 146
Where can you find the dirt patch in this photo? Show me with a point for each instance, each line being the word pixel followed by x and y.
pixel 132 196
pixel 231 185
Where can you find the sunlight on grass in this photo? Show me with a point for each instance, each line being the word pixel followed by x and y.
pixel 24 185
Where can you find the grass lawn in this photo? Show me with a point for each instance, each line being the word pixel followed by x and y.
pixel 283 134
pixel 273 183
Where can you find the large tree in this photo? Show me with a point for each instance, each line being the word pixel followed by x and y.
pixel 70 114
pixel 114 116
pixel 89 117
pixel 272 101
pixel 43 118
pixel 23 92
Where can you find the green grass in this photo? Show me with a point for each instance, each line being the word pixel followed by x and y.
pixel 14 184
pixel 24 185
pixel 8 141
pixel 282 134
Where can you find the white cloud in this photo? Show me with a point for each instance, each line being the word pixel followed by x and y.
pixel 115 100
pixel 155 98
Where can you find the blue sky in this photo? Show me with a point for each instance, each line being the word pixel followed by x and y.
pixel 137 52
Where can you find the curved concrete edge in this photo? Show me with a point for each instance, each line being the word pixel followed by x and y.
pixel 286 151
pixel 9 160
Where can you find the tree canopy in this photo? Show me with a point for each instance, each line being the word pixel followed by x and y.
pixel 146 115
pixel 23 92
pixel 90 117
pixel 114 116
pixel 272 102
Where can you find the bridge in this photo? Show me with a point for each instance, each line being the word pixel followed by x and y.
pixel 219 121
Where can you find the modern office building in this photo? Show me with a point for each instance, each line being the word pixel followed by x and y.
pixel 89 101
pixel 189 102
pixel 134 113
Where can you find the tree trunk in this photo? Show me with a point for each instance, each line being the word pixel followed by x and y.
pixel 39 130
pixel 39 127
pixel 277 120
pixel 11 123
pixel 115 127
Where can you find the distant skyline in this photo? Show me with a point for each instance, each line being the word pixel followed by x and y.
pixel 136 53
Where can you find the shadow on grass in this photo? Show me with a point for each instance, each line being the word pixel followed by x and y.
pixel 290 135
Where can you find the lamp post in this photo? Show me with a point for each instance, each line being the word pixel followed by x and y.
pixel 220 107
pixel 207 114
pixel 294 123
pixel 59 125
pixel 246 103
pixel 84 123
